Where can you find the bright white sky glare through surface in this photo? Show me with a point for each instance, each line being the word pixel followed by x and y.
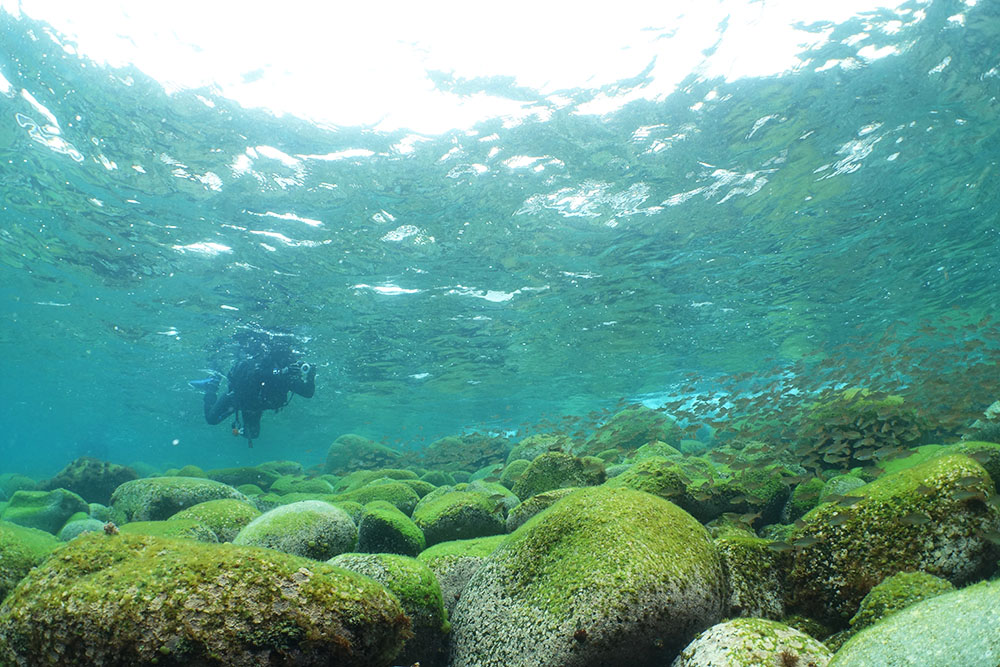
pixel 367 63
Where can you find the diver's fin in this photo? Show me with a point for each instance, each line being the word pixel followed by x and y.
pixel 204 384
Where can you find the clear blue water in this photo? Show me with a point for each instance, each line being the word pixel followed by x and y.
pixel 834 224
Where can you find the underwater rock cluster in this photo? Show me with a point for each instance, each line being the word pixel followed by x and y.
pixel 640 555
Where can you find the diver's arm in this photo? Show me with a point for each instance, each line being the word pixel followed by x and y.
pixel 305 387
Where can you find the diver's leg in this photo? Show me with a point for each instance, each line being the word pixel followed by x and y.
pixel 251 424
pixel 217 409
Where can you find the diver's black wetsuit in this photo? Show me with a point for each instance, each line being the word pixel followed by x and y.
pixel 255 385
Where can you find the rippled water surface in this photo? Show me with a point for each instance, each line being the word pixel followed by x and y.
pixel 836 222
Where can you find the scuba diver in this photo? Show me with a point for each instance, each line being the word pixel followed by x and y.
pixel 261 381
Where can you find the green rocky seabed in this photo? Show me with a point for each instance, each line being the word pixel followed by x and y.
pixel 576 574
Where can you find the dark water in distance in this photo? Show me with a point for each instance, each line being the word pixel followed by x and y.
pixel 489 277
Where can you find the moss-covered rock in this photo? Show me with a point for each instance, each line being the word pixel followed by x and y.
pixel 132 600
pixel 655 448
pixel 554 470
pixel 953 629
pixel 298 484
pixel 458 515
pixel 250 490
pixel 420 486
pixel 391 491
pixel 467 452
pixel 535 445
pixel 805 496
pixel 225 517
pixel 753 642
pixel 182 529
pixel 930 517
pixel 520 514
pixel 354 452
pixel 656 475
pixel 513 471
pixel 384 529
pixel 21 549
pixel 44 510
pixel 895 593
pixel 604 576
pixel 12 481
pixel 157 498
pixel 360 478
pixel 309 528
pixel 454 563
pixel 418 592
pixel 840 485
pixel 986 454
pixel 755 576
pixel 236 477
pixel 91 479
pixel 75 527
pixel 438 478
pixel 630 429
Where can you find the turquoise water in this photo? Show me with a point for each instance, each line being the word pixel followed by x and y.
pixel 756 239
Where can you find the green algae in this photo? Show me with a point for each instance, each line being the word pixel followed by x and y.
pixel 384 529
pixel 21 549
pixel 225 517
pixel 128 599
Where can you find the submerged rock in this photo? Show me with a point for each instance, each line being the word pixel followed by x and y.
pixel 20 550
pixel 604 576
pixel 384 529
pixel 418 592
pixel 454 563
pixel 157 498
pixel 44 510
pixel 555 470
pixel 354 452
pixel 931 517
pixel 134 600
pixel 226 517
pixel 308 528
pixel 951 630
pixel 753 642
pixel 92 479
pixel 448 514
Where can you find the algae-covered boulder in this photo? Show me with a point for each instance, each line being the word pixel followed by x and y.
pixel 77 526
pixel 513 471
pixel 956 629
pixel 157 498
pixel 447 514
pixel 384 529
pixel 930 517
pixel 897 592
pixel 360 478
pixel 181 529
pixel 630 429
pixel 91 479
pixel 309 528
pixel 535 445
pixel 454 563
pixel 299 484
pixel 517 516
pixel 225 517
pixel 470 451
pixel 44 510
pixel 136 600
pixel 555 470
pixel 754 575
pixel 418 592
pixel 12 481
pixel 261 476
pixel 354 452
pixel 753 642
pixel 604 576
pixel 21 549
pixel 392 491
